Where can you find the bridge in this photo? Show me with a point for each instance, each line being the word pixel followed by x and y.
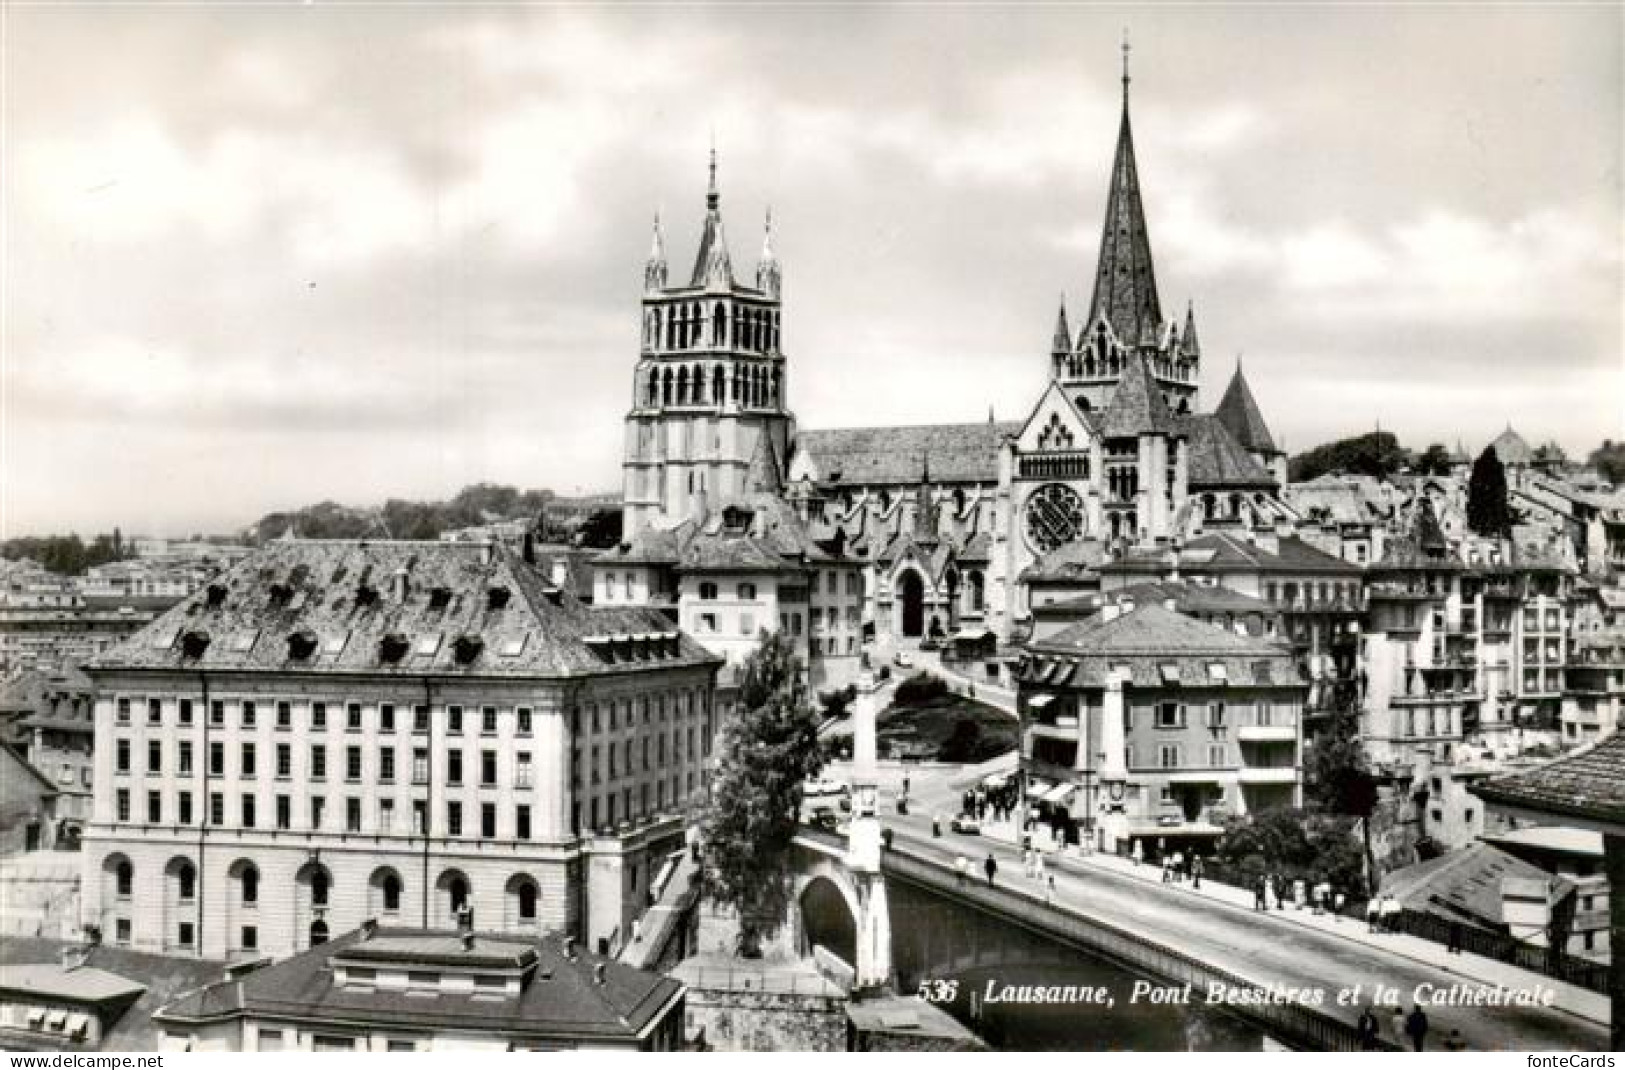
pixel 1170 936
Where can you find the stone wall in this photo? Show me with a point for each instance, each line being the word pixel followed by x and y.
pixel 734 1020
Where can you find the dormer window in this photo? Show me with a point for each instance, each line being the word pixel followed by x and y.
pixel 735 519
pixel 496 598
pixel 466 648
pixel 439 597
pixel 366 596
pixel 393 647
pixel 216 596
pixel 194 643
pixel 301 645
pixel 281 594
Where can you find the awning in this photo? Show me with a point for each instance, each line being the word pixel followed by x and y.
pixel 56 1020
pixel 35 1015
pixel 78 1023
pixel 971 634
pixel 1059 793
pixel 1038 785
pixel 1038 702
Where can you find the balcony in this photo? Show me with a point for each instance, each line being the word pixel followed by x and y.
pixel 1267 733
pixel 1064 728
pixel 1072 464
pixel 1266 774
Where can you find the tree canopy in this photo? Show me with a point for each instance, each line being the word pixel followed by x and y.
pixel 66 555
pixel 1434 461
pixel 1609 459
pixel 1488 512
pixel 1375 454
pixel 767 753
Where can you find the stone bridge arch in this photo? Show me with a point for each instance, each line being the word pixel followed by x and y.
pixel 821 882
pixel 823 874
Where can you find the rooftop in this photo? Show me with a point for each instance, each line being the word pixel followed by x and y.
pixel 1588 783
pixel 959 453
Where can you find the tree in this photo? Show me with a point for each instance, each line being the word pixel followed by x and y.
pixel 769 751
pixel 1339 780
pixel 601 530
pixel 1297 844
pixel 1434 461
pixel 1376 454
pixel 1487 510
pixel 1609 460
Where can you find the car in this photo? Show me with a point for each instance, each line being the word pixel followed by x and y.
pixel 821 787
pixel 825 818
pixel 902 659
pixel 966 824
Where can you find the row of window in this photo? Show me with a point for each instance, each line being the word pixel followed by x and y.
pixel 385 818
pixel 621 756
pixel 616 714
pixel 643 803
pixel 383 769
pixel 1174 715
pixel 354 715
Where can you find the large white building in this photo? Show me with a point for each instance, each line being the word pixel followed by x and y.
pixel 338 731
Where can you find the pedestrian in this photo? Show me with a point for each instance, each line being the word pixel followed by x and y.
pixel 1339 901
pixel 1038 867
pixel 1167 872
pixel 936 826
pixel 1138 854
pixel 1396 1024
pixel 1300 893
pixel 1196 871
pixel 961 867
pixel 1390 913
pixel 992 867
pixel 1179 865
pixel 1416 1026
pixel 1027 862
pixel 1049 888
pixel 1365 1030
pixel 905 785
pixel 1260 901
pixel 1454 946
pixel 1373 913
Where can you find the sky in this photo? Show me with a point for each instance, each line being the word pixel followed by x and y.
pixel 260 256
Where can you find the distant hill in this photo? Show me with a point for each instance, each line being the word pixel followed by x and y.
pixel 479 504
pixel 1377 453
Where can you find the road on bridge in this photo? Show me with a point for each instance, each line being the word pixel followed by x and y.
pixel 1262 947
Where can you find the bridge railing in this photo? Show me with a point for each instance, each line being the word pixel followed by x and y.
pixel 768 982
pixel 1295 1022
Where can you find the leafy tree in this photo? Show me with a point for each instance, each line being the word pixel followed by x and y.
pixel 835 704
pixel 1296 844
pixel 921 689
pixel 1609 459
pixel 1487 510
pixel 1339 779
pixel 1434 461
pixel 769 751
pixel 1375 454
pixel 601 529
pixel 965 745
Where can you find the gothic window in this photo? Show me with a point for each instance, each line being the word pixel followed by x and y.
pixel 682 386
pixel 653 392
pixel 776 382
pixel 665 386
pixel 719 324
pixel 671 331
pixel 716 384
pixel 1053 516
pixel 959 500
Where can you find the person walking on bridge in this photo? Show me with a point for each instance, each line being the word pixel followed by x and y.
pixel 1366 1030
pixel 1416 1026
pixel 961 868
pixel 992 867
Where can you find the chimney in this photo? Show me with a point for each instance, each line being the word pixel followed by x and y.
pixel 1110 611
pixel 369 928
pixel 402 585
pixel 570 948
pixel 560 572
pixel 598 973
pixel 468 941
pixel 530 548
pixel 73 958
pixel 465 920
pixel 1171 605
pixel 488 552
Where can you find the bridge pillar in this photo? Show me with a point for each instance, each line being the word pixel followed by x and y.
pixel 1113 822
pixel 873 968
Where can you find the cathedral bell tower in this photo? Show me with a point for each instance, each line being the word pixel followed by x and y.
pixel 709 382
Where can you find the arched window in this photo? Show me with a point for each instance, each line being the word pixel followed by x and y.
pixel 124 878
pixel 682 386
pixel 527 902
pixel 719 323
pixel 249 882
pixel 186 881
pixel 523 901
pixel 392 893
pixel 320 885
pixel 716 385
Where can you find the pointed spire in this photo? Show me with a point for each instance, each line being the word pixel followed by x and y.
pixel 1188 344
pixel 1062 345
pixel 1125 289
pixel 925 511
pixel 654 272
pixel 712 267
pixel 1240 415
pixel 767 269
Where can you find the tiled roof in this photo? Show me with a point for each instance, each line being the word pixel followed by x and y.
pixel 1587 783
pixel 1238 412
pixel 1464 885
pixel 561 998
pixel 1160 648
pixel 1187 597
pixel 14 769
pixel 1224 552
pixel 83 984
pixel 1136 407
pixel 1216 458
pixel 1125 278
pixel 960 453
pixel 336 606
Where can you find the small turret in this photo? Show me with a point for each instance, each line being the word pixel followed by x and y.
pixel 1188 345
pixel 654 272
pixel 767 270
pixel 1061 346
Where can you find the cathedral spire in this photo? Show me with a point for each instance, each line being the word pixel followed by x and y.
pixel 712 266
pixel 1125 283
pixel 1062 344
pixel 1188 344
pixel 654 272
pixel 767 269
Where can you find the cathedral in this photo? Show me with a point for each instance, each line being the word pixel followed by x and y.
pixel 948 522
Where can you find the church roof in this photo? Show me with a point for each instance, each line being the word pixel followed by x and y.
pixel 1125 282
pixel 1216 458
pixel 1239 413
pixel 711 264
pixel 960 453
pixel 1137 407
pixel 765 475
pixel 1587 783
pixel 1510 447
